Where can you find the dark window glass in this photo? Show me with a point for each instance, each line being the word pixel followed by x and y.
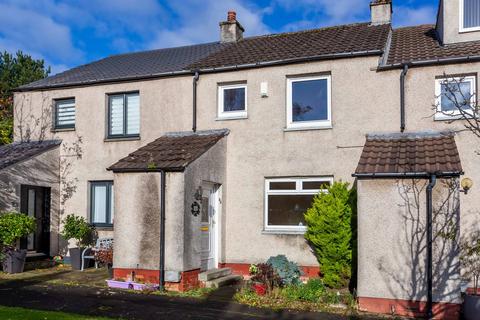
pixel 65 113
pixel 282 185
pixel 101 203
pixel 455 93
pixel 310 100
pixel 234 99
pixel 205 204
pixel 315 185
pixel 471 13
pixel 288 210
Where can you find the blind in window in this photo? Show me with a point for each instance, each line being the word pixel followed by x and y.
pixel 133 114
pixel 471 13
pixel 65 113
pixel 116 115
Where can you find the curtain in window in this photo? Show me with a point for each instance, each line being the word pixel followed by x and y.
pixel 471 13
pixel 65 113
pixel 133 114
pixel 99 204
pixel 116 115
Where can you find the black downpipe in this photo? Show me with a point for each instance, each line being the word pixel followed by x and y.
pixel 195 80
pixel 402 97
pixel 431 185
pixel 162 231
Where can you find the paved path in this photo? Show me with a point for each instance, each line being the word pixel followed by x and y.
pixel 113 303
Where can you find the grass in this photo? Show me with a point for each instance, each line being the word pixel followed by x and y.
pixel 9 313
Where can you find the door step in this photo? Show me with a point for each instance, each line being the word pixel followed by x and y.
pixel 223 281
pixel 214 274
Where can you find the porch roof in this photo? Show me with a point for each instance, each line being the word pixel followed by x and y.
pixel 13 153
pixel 416 154
pixel 171 152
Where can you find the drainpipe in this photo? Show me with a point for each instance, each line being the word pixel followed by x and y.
pixel 162 231
pixel 431 185
pixel 402 97
pixel 195 80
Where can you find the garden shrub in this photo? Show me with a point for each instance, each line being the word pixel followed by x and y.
pixel 331 232
pixel 14 226
pixel 266 275
pixel 77 228
pixel 288 271
pixel 313 291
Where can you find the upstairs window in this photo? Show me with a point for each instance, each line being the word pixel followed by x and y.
pixel 309 102
pixel 64 114
pixel 232 101
pixel 101 203
pixel 469 15
pixel 124 115
pixel 454 95
pixel 287 199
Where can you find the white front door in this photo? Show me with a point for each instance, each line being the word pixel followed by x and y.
pixel 209 226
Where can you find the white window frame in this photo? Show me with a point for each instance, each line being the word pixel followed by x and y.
pixel 461 22
pixel 441 115
pixel 231 114
pixel 325 124
pixel 298 191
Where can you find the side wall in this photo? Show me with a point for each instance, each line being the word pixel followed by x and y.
pixel 43 171
pixel 451 24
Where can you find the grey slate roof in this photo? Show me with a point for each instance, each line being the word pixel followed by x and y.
pixel 16 152
pixel 171 152
pixel 129 66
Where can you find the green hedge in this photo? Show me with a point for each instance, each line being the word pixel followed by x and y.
pixel 331 232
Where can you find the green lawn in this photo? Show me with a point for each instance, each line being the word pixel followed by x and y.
pixel 7 313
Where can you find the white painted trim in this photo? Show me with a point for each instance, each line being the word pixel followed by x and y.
pixel 461 28
pixel 319 124
pixel 230 115
pixel 218 224
pixel 281 229
pixel 439 115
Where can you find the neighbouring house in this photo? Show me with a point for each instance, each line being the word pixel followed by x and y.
pixel 207 156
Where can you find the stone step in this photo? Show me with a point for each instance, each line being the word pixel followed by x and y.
pixel 223 281
pixel 214 274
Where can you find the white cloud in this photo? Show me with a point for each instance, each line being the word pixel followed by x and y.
pixel 405 16
pixel 197 21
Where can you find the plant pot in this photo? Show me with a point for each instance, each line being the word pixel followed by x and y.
pixel 259 288
pixel 76 258
pixel 471 307
pixel 14 261
pixel 110 270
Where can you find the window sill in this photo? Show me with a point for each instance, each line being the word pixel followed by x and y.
pixel 444 117
pixel 326 127
pixel 62 129
pixel 231 118
pixel 104 228
pixel 112 139
pixel 285 232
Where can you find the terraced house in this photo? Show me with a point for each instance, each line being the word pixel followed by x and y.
pixel 229 141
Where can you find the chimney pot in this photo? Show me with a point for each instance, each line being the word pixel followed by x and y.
pixel 232 16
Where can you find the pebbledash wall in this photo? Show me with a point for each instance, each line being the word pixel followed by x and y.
pixel 259 147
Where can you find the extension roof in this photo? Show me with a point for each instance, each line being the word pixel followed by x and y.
pixel 171 152
pixel 421 153
pixel 16 152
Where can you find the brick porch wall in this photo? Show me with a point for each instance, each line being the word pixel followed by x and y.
pixel 188 279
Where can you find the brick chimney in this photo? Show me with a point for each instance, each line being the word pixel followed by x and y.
pixel 231 30
pixel 381 12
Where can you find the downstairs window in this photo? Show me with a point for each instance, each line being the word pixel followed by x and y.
pixel 101 203
pixel 287 199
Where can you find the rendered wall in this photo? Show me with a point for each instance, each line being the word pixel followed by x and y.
pixel 450 28
pixel 43 171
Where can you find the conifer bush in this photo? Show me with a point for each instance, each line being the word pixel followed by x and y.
pixel 331 223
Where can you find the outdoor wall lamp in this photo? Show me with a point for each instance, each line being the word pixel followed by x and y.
pixel 466 185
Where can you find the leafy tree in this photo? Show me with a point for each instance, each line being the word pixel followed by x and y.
pixel 330 232
pixel 15 70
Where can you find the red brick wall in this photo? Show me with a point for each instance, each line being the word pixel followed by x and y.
pixel 444 311
pixel 188 279
pixel 242 269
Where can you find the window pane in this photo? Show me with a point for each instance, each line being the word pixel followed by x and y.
pixel 99 204
pixel 116 115
pixel 234 99
pixel 315 185
pixel 288 210
pixel 65 111
pixel 133 114
pixel 471 13
pixel 282 185
pixel 455 94
pixel 310 100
